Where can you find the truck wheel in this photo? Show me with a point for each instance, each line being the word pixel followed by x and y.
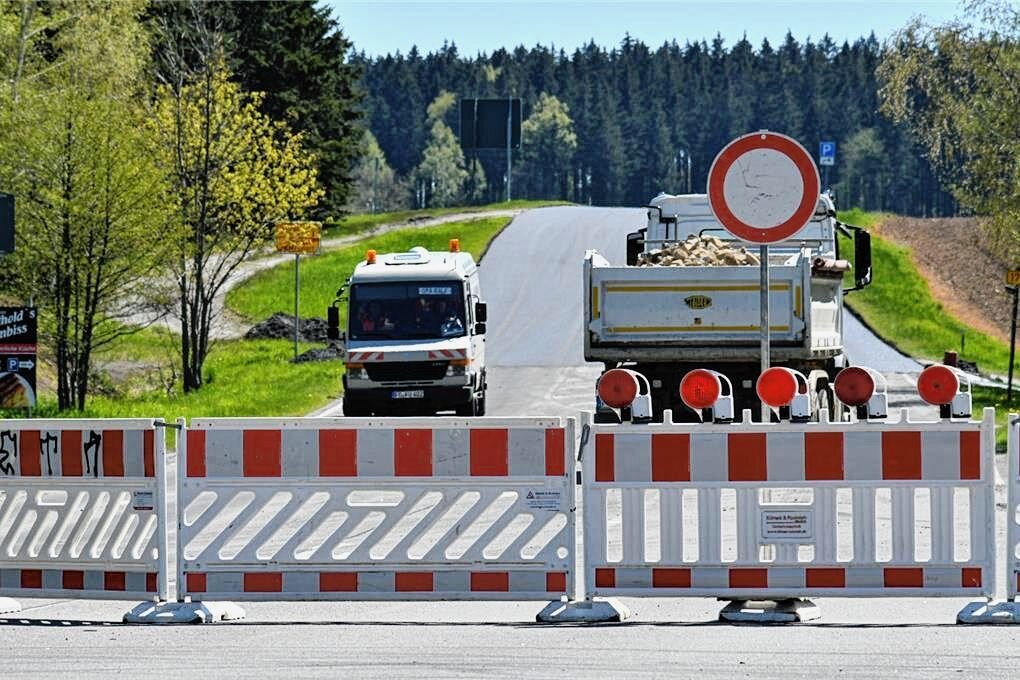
pixel 480 408
pixel 355 409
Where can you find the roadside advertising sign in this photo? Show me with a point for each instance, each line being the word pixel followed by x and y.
pixel 18 347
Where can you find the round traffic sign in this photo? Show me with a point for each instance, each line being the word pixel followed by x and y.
pixel 763 187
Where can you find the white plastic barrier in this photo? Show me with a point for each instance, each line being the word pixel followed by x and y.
pixel 80 509
pixel 777 511
pixel 356 509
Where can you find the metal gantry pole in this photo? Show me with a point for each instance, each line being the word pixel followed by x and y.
pixel 763 254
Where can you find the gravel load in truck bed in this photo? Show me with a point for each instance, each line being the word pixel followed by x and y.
pixel 698 251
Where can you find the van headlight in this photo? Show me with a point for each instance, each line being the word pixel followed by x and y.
pixel 455 371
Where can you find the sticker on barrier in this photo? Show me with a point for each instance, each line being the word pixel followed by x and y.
pixel 355 509
pixel 777 511
pixel 80 509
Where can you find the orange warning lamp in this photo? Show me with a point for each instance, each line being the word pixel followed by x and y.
pixel 937 385
pixel 618 387
pixel 854 386
pixel 700 389
pixel 454 245
pixel 777 386
pixel 370 256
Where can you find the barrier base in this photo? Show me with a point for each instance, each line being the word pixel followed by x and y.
pixel 184 612
pixel 583 611
pixel 985 611
pixel 9 605
pixel 793 610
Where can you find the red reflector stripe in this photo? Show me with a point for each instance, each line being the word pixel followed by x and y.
pixel 271 582
pixel 413 582
pixel 555 452
pixel 196 582
pixel 823 455
pixel 901 455
pixel 824 578
pixel 196 453
pixel 904 577
pixel 262 453
pixel 150 582
pixel 71 463
pixel 749 578
pixel 31 453
pixel 556 582
pixel 970 577
pixel 970 455
pixel 338 453
pixel 412 455
pixel 31 578
pixel 489 456
pixel 671 457
pixel 483 581
pixel 114 580
pixel 746 455
pixel 113 453
pixel 148 453
pixel 671 578
pixel 73 580
pixel 605 578
pixel 605 465
pixel 338 582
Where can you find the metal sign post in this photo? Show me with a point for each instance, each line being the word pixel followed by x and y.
pixel 763 255
pixel 763 188
pixel 298 238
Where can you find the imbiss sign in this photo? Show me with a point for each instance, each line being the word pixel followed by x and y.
pixel 19 340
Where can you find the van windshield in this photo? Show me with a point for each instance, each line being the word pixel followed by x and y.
pixel 419 309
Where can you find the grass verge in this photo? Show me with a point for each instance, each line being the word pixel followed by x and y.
pixel 272 290
pixel 356 224
pixel 900 308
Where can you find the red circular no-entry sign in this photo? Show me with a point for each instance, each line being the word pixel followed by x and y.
pixel 763 187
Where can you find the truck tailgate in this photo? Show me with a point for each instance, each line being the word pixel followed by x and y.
pixel 693 305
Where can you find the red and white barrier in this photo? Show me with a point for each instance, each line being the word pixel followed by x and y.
pixel 778 511
pixel 355 509
pixel 81 509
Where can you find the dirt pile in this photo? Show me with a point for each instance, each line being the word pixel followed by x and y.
pixel 698 251
pixel 280 326
pixel 330 353
pixel 963 269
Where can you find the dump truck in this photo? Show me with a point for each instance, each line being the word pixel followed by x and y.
pixel 663 316
pixel 415 338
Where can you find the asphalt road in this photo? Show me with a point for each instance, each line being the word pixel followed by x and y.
pixel 532 280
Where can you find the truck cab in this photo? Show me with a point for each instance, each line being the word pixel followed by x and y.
pixel 415 336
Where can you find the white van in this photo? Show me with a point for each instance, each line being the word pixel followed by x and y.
pixel 415 338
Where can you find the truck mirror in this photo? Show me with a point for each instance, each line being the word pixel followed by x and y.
pixel 862 258
pixel 480 328
pixel 481 312
pixel 333 323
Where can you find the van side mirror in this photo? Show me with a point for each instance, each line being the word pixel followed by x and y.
pixel 480 328
pixel 862 258
pixel 481 312
pixel 333 323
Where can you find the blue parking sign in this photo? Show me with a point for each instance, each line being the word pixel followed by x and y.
pixel 827 153
pixel 12 364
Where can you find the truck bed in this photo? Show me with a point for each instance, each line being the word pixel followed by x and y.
pixel 686 313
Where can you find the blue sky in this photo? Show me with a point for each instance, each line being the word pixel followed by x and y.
pixel 385 26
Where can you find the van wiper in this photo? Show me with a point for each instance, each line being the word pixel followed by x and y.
pixel 374 334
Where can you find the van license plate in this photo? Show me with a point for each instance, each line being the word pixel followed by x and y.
pixel 408 394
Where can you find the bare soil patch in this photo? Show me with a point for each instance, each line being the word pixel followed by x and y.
pixel 965 275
